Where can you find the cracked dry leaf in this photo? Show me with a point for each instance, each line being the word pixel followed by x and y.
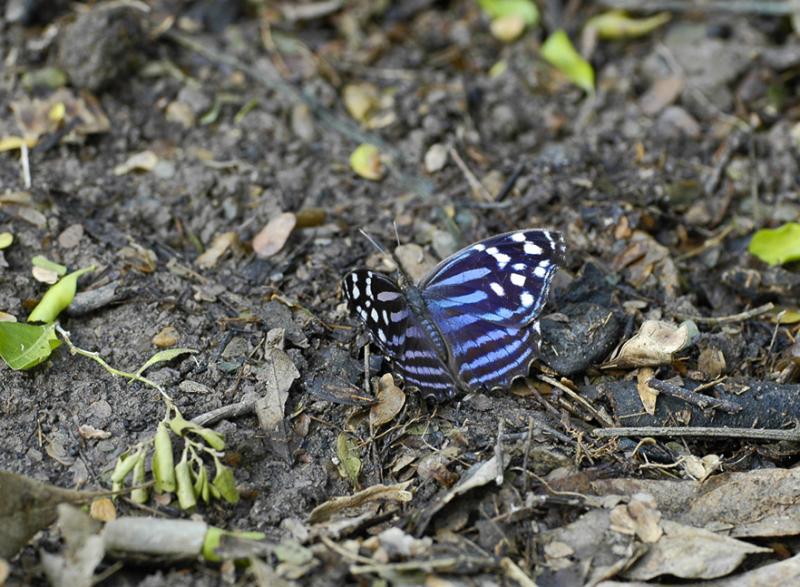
pixel 646 261
pixel 647 394
pixel 691 553
pixel 655 344
pixel 397 492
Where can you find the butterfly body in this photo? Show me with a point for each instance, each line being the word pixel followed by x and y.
pixel 472 323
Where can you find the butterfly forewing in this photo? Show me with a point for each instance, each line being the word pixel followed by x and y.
pixel 485 300
pixel 392 326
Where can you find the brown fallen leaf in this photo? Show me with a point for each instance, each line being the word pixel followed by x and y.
pixel 397 492
pixel 655 344
pixel 144 161
pixel 102 509
pixel 166 338
pixel 390 401
pixel 221 244
pixel 271 239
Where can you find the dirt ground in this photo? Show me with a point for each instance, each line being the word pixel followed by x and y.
pixel 657 180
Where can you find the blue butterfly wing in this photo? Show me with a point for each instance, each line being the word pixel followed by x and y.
pixel 485 300
pixel 397 332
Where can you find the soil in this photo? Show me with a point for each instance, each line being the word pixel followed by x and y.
pixel 656 188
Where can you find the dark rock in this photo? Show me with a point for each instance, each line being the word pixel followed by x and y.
pixel 100 46
pixel 572 346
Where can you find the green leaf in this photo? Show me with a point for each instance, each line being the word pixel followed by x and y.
pixel 6 238
pixel 183 476
pixel 45 263
pixel 525 9
pixel 349 461
pixel 163 356
pixel 58 297
pixel 559 52
pixel 778 245
pixel 616 24
pixel 23 346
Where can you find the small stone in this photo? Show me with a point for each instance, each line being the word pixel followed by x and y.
pixel 435 158
pixel 168 337
pixel 71 236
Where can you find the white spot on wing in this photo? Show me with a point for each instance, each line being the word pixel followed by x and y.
pixel 381 335
pixel 502 259
pixel 498 289
pixel 374 315
pixel 526 299
pixel 517 279
pixel 532 249
pixel 385 316
pixel 518 237
pixel 479 247
pixel 492 251
pixel 355 292
pixel 540 272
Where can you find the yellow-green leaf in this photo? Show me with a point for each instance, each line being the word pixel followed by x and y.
pixel 6 238
pixel 139 493
pixel 349 461
pixel 183 477
pixel 616 24
pixel 58 297
pixel 525 9
pixel 559 52
pixel 23 346
pixel 366 162
pixel 778 245
pixel 163 356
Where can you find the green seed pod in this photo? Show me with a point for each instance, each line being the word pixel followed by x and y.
pixel 163 463
pixel 201 484
pixel 213 439
pixel 225 483
pixel 124 466
pixel 139 494
pixel 58 297
pixel 185 492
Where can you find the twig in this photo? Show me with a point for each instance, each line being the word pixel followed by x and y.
pixel 707 244
pixel 599 416
pixel 268 76
pixel 26 166
pixel 701 431
pixel 741 316
pixel 697 399
pixel 474 182
pixel 98 359
pixel 516 574
pixel 452 564
pixel 242 408
pixel 498 452
pixel 526 454
pixel 768 7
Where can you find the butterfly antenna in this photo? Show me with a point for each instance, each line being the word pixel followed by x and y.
pixel 396 234
pixel 374 243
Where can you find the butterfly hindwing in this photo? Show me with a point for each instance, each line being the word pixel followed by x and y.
pixel 392 326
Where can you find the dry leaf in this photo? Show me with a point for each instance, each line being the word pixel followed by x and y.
pixel 274 235
pixel 647 394
pixel 168 337
pixel 103 510
pixel 655 344
pixel 89 432
pixel 221 244
pixel 361 100
pixel 144 161
pixel 390 401
pixel 397 492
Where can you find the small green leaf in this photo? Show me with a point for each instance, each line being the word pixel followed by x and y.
pixel 225 483
pixel 525 9
pixel 201 490
pixel 180 426
pixel 349 461
pixel 45 263
pixel 616 24
pixel 163 460
pixel 163 356
pixel 23 346
pixel 366 162
pixel 559 52
pixel 58 297
pixel 6 238
pixel 777 246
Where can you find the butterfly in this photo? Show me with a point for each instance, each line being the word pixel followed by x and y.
pixel 472 323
